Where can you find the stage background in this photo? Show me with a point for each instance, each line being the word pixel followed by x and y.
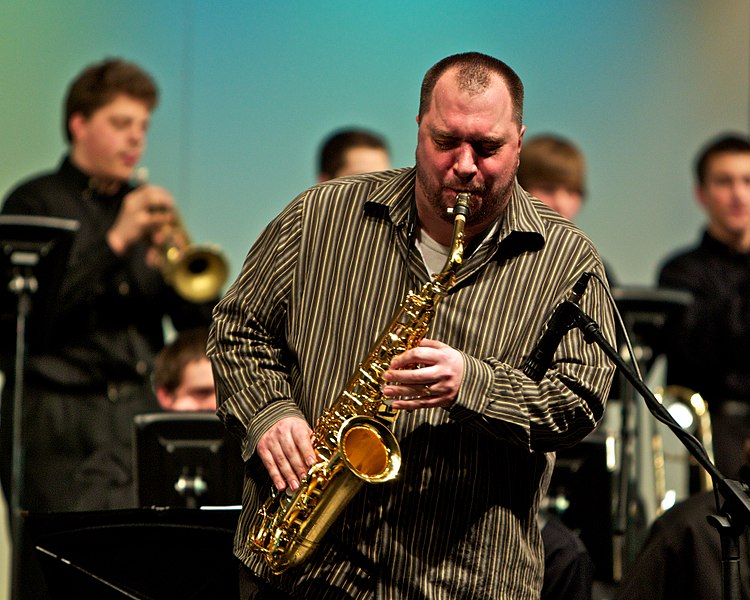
pixel 249 89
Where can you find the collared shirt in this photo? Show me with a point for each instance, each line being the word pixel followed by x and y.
pixel 317 288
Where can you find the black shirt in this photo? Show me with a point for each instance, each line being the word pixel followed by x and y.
pixel 105 323
pixel 708 347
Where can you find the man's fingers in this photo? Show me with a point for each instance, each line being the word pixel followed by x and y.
pixel 286 452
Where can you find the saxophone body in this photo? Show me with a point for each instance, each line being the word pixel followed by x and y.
pixel 353 438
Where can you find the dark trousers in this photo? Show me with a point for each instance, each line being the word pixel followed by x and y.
pixel 77 446
pixel 77 452
pixel 253 587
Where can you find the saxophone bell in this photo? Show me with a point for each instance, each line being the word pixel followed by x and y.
pixel 369 449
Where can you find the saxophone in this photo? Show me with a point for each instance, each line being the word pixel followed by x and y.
pixel 352 439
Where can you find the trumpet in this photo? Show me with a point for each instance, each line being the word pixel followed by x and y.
pixel 196 272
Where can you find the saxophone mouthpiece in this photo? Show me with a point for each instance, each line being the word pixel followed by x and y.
pixel 462 205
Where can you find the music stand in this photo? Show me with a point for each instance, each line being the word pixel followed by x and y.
pixel 185 459
pixel 645 312
pixel 143 553
pixel 33 254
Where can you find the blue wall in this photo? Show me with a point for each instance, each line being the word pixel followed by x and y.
pixel 250 88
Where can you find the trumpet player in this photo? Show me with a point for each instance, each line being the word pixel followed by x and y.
pixel 476 433
pixel 90 353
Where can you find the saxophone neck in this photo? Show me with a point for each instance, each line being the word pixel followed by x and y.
pixel 460 212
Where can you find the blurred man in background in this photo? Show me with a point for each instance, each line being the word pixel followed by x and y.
pixel 708 344
pixel 352 151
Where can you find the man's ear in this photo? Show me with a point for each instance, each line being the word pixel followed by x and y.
pixel 700 196
pixel 76 123
pixel 166 400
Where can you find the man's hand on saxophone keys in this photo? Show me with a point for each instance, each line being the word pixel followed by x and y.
pixel 287 452
pixel 427 376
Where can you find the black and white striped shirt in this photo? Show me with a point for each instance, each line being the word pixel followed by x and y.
pixel 317 288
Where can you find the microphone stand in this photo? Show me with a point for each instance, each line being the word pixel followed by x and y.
pixel 734 514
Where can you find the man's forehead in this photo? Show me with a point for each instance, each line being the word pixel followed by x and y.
pixel 122 103
pixel 728 161
pixel 439 131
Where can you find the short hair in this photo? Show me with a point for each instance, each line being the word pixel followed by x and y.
pixel 332 154
pixel 170 362
pixel 550 160
pixel 728 143
pixel 99 83
pixel 474 69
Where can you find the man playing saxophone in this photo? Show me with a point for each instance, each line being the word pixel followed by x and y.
pixel 321 284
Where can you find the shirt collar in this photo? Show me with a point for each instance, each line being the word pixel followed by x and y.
pixel 718 246
pixel 520 221
pixel 85 183
pixel 396 196
pixel 75 174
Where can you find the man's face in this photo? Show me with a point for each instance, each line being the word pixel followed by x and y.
pixel 725 195
pixel 196 392
pixel 110 142
pixel 467 142
pixel 364 160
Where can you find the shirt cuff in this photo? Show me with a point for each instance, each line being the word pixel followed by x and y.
pixel 476 385
pixel 264 420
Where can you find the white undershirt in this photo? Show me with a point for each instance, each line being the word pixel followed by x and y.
pixel 434 254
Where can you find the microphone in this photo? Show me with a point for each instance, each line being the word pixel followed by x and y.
pixel 559 324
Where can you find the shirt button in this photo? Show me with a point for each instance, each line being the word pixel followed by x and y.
pixel 123 288
pixel 141 367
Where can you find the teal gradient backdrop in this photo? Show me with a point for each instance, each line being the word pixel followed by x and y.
pixel 249 88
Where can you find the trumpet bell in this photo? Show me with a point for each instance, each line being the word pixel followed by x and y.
pixel 198 273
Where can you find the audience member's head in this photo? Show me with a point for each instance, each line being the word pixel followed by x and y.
pixel 554 170
pixel 106 118
pixel 99 84
pixel 183 379
pixel 352 151
pixel 722 172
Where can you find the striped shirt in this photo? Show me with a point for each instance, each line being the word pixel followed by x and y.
pixel 317 288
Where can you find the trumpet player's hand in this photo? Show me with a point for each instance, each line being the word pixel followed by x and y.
pixel 428 376
pixel 287 452
pixel 144 214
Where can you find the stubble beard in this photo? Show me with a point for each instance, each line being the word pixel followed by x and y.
pixel 490 207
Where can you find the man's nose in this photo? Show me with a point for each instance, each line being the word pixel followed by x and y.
pixel 465 166
pixel 137 135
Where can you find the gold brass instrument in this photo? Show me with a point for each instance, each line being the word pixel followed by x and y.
pixel 691 412
pixel 352 439
pixel 196 272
